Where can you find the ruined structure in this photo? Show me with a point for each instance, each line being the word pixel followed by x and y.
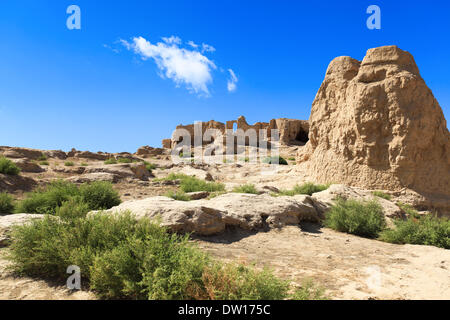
pixel 291 131
pixel 375 124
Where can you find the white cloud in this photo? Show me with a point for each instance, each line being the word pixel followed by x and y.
pixel 192 44
pixel 231 85
pixel 207 48
pixel 172 40
pixel 183 66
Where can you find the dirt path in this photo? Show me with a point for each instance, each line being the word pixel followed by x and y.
pixel 346 266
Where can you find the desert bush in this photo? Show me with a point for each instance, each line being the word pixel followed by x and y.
pixel 275 160
pixel 97 195
pixel 111 161
pixel 364 219
pixel 44 163
pixel 8 167
pixel 84 164
pixel 291 159
pixel 246 188
pixel 193 184
pixel 150 166
pixel 121 257
pixel 6 203
pixel 124 160
pixel 426 230
pixel 306 188
pixel 69 163
pixel 381 194
pixel 408 209
pixel 178 195
pixel 42 157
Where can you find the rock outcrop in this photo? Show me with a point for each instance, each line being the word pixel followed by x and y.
pixel 375 124
pixel 8 221
pixel 208 217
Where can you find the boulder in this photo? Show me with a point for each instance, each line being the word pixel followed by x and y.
pixel 208 217
pixel 149 151
pixel 376 125
pixel 58 154
pixel 91 155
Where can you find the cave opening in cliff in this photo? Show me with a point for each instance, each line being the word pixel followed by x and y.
pixel 302 136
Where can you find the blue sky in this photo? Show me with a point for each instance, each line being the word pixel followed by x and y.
pixel 63 88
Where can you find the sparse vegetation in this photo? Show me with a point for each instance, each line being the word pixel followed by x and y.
pixel 275 160
pixel 408 209
pixel 306 188
pixel 44 163
pixel 124 160
pixel 84 164
pixel 193 184
pixel 69 164
pixel 426 230
pixel 364 219
pixel 8 167
pixel 246 188
pixel 125 258
pixel 381 194
pixel 6 203
pixel 291 159
pixel 42 157
pixel 97 195
pixel 178 195
pixel 150 166
pixel 111 161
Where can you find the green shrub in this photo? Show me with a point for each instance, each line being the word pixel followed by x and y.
pixel 44 163
pixel 381 194
pixel 364 219
pixel 84 164
pixel 291 159
pixel 306 188
pixel 124 160
pixel 124 258
pixel 6 203
pixel 178 195
pixel 193 184
pixel 111 161
pixel 8 167
pixel 69 164
pixel 246 188
pixel 408 209
pixel 97 195
pixel 150 166
pixel 275 160
pixel 42 157
pixel 426 230
pixel 47 199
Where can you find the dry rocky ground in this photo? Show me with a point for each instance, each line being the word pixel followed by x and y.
pixel 296 250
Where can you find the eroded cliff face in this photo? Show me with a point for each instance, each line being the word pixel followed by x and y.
pixel 375 124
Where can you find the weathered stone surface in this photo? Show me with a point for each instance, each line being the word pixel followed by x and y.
pixel 198 195
pixel 149 151
pixel 91 155
pixel 92 177
pixel 375 124
pixel 207 217
pixel 122 170
pixel 15 152
pixel 28 166
pixel 8 221
pixel 10 183
pixel 59 154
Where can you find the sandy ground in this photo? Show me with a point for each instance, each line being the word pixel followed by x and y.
pixel 348 267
